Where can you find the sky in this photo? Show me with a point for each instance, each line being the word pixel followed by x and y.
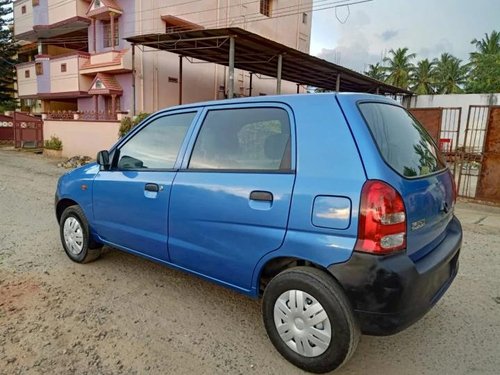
pixel 363 34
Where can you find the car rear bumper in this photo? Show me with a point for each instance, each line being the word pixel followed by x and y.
pixel 389 293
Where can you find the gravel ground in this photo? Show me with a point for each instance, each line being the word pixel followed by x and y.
pixel 123 314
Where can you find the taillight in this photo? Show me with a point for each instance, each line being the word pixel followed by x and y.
pixel 382 219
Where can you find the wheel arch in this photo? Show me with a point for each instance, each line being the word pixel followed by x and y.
pixel 274 266
pixel 62 205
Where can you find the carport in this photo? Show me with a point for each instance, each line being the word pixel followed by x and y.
pixel 241 49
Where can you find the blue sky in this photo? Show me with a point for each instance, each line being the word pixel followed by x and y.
pixel 427 27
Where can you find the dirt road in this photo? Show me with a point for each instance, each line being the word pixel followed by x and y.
pixel 123 314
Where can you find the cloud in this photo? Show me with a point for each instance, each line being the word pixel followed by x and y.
pixel 354 56
pixel 434 51
pixel 388 35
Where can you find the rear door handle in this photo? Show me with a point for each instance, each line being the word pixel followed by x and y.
pixel 264 196
pixel 152 187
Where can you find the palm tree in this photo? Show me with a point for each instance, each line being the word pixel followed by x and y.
pixel 423 78
pixel 451 74
pixel 489 45
pixel 376 71
pixel 399 67
pixel 484 74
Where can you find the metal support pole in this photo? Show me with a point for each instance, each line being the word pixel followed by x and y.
pixel 230 90
pixel 298 88
pixel 377 91
pixel 133 80
pixel 180 78
pixel 337 86
pixel 251 85
pixel 278 78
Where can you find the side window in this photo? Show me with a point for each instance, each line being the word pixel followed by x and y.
pixel 243 139
pixel 156 146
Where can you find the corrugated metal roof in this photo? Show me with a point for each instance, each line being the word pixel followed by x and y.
pixel 257 54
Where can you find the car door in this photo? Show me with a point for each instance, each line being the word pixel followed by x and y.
pixel 231 198
pixel 131 199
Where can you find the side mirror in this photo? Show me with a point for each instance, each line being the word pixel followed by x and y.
pixel 103 160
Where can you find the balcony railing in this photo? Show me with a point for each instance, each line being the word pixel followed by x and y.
pixel 82 115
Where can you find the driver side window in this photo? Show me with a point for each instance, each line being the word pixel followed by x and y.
pixel 156 146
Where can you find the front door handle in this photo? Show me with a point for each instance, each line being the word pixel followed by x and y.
pixel 263 196
pixel 152 187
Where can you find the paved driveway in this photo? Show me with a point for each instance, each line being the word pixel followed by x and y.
pixel 123 314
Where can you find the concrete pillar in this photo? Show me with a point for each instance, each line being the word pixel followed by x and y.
pixel 93 35
pixel 112 21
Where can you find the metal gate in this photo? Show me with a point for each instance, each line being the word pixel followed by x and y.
pixel 471 151
pixel 28 131
pixel 6 129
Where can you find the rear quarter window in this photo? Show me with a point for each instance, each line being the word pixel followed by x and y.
pixel 402 141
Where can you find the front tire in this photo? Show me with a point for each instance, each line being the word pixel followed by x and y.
pixel 309 319
pixel 75 236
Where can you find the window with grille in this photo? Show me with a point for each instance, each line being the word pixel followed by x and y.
pixel 265 7
pixel 106 28
pixel 26 74
pixel 64 68
pixel 23 9
pixel 38 69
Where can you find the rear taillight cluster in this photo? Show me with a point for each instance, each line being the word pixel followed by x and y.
pixel 382 219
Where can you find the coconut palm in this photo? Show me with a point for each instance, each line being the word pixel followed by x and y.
pixel 489 45
pixel 451 74
pixel 399 67
pixel 423 78
pixel 485 65
pixel 376 71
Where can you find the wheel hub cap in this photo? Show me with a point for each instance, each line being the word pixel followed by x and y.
pixel 302 323
pixel 73 235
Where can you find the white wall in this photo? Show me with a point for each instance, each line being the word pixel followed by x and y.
pixel 84 138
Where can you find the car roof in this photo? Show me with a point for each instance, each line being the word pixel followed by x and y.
pixel 287 98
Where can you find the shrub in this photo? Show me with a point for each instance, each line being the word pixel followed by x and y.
pixel 127 124
pixel 54 143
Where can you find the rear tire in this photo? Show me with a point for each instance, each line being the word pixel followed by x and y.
pixel 309 319
pixel 75 236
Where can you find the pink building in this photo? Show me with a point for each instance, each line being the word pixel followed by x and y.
pixel 76 59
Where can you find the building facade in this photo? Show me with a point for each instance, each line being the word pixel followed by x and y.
pixel 75 56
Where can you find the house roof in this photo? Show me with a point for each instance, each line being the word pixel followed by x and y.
pixel 109 85
pixel 106 7
pixel 257 54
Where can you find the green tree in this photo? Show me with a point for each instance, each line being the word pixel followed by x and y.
pixel 423 78
pixel 485 65
pixel 451 74
pixel 399 67
pixel 8 52
pixel 489 45
pixel 376 71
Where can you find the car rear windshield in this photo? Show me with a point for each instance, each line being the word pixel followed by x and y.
pixel 403 142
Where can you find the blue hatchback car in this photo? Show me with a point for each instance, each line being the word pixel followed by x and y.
pixel 336 209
